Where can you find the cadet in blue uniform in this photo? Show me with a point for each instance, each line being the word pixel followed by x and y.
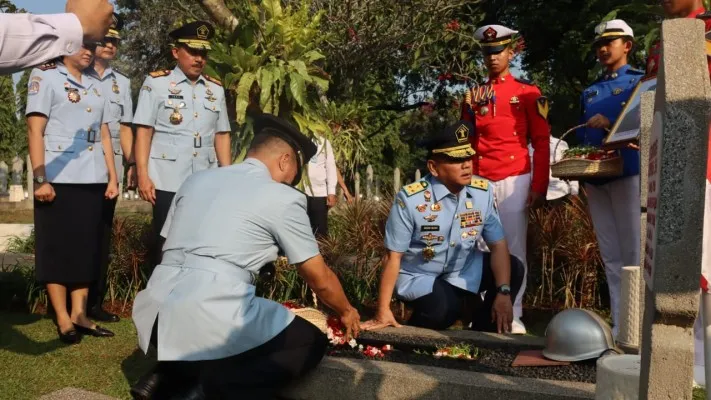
pixel 117 88
pixel 614 203
pixel 436 235
pixel 67 117
pixel 199 304
pixel 182 123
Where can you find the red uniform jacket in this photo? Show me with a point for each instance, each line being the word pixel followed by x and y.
pixel 655 50
pixel 504 124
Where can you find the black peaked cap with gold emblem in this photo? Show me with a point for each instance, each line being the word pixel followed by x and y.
pixel 453 141
pixel 115 27
pixel 195 35
pixel 278 127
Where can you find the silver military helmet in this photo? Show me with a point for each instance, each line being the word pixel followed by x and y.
pixel 576 334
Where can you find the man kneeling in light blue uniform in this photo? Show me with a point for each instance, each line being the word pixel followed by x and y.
pixel 437 235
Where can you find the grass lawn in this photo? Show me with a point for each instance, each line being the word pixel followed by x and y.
pixel 33 361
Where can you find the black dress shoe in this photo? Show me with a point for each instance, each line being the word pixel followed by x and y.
pixel 99 314
pixel 146 387
pixel 96 332
pixel 71 337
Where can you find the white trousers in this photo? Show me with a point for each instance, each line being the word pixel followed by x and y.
pixel 615 211
pixel 511 195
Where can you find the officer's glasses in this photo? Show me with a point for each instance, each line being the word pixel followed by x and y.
pixel 115 42
pixel 91 46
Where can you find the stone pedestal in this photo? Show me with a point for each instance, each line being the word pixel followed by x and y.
pixel 17 193
pixel 629 332
pixel 676 171
pixel 617 377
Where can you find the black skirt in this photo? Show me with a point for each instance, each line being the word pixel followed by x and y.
pixel 68 233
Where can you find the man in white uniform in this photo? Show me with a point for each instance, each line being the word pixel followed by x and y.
pixel 557 189
pixel 321 188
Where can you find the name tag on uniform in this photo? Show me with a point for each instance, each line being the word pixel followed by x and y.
pixel 175 96
pixel 429 228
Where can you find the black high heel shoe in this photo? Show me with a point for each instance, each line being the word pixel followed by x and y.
pixel 71 337
pixel 97 332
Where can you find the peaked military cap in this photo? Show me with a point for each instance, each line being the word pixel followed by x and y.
pixel 494 38
pixel 115 27
pixel 195 35
pixel 613 29
pixel 304 148
pixel 453 141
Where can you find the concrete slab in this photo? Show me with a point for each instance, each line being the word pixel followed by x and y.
pixel 75 394
pixel 410 335
pixel 8 231
pixel 346 379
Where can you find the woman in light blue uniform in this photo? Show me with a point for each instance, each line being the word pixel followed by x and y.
pixel 614 203
pixel 72 158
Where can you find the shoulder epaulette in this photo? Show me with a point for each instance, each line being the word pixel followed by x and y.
pixel 158 74
pixel 479 183
pixel 415 188
pixel 635 71
pixel 704 15
pixel 48 66
pixel 525 81
pixel 213 80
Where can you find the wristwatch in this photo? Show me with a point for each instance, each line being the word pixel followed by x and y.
pixel 504 289
pixel 39 179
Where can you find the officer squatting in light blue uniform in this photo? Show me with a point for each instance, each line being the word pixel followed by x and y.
pixel 614 203
pixel 67 120
pixel 117 88
pixel 200 305
pixel 437 234
pixel 182 123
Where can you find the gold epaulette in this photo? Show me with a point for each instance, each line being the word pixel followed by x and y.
pixel 468 97
pixel 158 74
pixel 479 183
pixel 415 188
pixel 48 66
pixel 213 80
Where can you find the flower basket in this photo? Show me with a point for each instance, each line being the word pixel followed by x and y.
pixel 314 316
pixel 584 168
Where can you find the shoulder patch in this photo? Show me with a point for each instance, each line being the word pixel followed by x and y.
pixel 47 66
pixel 415 188
pixel 158 74
pixel 213 80
pixel 479 183
pixel 525 81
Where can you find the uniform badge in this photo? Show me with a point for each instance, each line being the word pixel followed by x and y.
pixel 484 110
pixel 436 207
pixel 400 203
pixel 208 92
pixel 146 88
pixel 96 92
pixel 428 195
pixel 617 91
pixel 514 100
pixel 430 237
pixel 465 235
pixel 115 87
pixel 428 253
pixel 470 219
pixel 176 117
pixel 421 207
pixel 468 204
pixel 173 89
pixel 542 105
pixel 472 233
pixel 431 217
pixel 73 95
pixel 33 87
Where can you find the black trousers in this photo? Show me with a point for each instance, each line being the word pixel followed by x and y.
pixel 259 373
pixel 160 214
pixel 98 288
pixel 441 308
pixel 317 209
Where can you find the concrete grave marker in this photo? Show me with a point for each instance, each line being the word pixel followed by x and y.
pixel 676 173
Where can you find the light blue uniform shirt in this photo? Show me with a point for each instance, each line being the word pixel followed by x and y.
pixel 223 226
pixel 117 88
pixel 72 138
pixel 462 221
pixel 187 144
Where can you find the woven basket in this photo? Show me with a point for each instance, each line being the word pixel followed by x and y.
pixel 580 169
pixel 316 317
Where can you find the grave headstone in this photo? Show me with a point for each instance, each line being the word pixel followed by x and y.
pixel 369 182
pixel 357 185
pixel 17 191
pixel 3 178
pixel 675 207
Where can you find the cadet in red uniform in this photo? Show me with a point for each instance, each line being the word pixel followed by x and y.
pixel 508 113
